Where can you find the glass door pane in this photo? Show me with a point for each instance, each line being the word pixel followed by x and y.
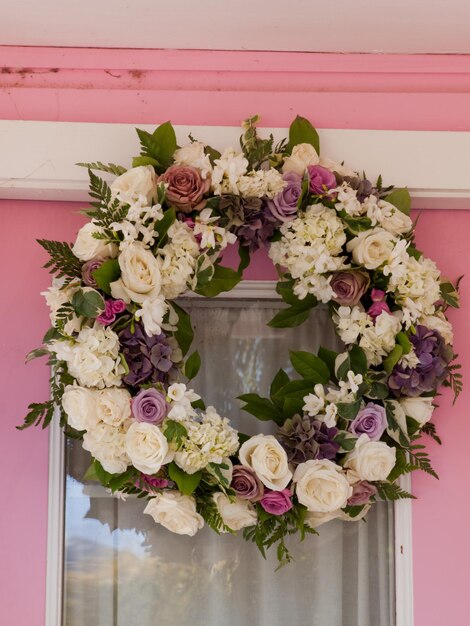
pixel 121 569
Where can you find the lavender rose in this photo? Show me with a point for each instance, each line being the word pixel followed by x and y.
pixel 349 287
pixel 88 268
pixel 149 405
pixel 246 484
pixel 363 491
pixel 371 421
pixel 284 205
pixel 320 179
pixel 277 502
pixel 186 187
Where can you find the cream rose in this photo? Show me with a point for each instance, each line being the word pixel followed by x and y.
pixel 268 459
pixel 321 486
pixel 147 447
pixel 79 404
pixel 303 155
pixel 136 182
pixel 193 155
pixel 237 514
pixel 87 247
pixel 314 520
pixel 113 405
pixel 394 220
pixel 419 408
pixel 175 512
pixel 372 248
pixel 371 460
pixel 140 275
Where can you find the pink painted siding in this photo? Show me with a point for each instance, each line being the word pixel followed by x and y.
pixel 211 88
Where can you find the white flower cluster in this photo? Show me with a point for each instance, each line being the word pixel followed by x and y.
pixel 375 337
pixel 56 296
pixel 92 358
pixel 323 405
pixel 310 248
pixel 193 155
pixel 105 416
pixel 139 224
pixel 256 184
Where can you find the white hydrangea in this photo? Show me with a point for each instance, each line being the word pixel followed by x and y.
pixel 310 246
pixel 415 285
pixel 351 322
pixel 227 171
pixel 56 296
pixel 257 184
pixel 93 358
pixel 209 440
pixel 108 445
pixel 177 260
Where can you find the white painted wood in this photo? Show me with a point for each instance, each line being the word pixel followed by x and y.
pixel 415 26
pixel 246 290
pixel 55 525
pixel 433 164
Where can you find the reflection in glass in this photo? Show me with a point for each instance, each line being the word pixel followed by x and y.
pixel 121 569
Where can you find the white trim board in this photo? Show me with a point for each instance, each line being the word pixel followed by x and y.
pixel 39 157
pixel 248 289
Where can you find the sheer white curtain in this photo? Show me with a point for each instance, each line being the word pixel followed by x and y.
pixel 123 570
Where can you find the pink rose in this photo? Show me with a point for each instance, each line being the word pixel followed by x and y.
pixel 277 502
pixel 362 493
pixel 186 187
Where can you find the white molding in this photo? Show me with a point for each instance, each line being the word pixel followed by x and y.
pixel 55 525
pixel 246 290
pixel 46 170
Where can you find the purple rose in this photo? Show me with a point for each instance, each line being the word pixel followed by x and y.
pixel 186 187
pixel 88 268
pixel 284 205
pixel 371 420
pixel 246 484
pixel 112 308
pixel 320 180
pixel 379 305
pixel 362 493
pixel 150 406
pixel 349 287
pixel 277 502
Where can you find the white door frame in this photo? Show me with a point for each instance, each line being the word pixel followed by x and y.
pixel 249 289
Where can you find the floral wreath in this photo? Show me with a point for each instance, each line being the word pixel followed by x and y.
pixel 119 344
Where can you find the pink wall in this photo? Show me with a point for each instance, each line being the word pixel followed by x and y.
pixel 211 88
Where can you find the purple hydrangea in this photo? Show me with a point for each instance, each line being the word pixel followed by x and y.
pixel 434 356
pixel 148 358
pixel 305 438
pixel 250 218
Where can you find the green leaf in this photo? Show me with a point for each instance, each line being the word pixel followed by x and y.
pixel 396 419
pixel 103 476
pixel 289 318
pixel 400 198
pixel 302 131
pixel 87 303
pixel 107 273
pixel 212 153
pixel 328 357
pixel 164 224
pixel 187 483
pixel 90 474
pixel 377 391
pixel 174 431
pixel 450 295
pixel 291 396
pixel 35 354
pixel 392 359
pixel 355 361
pixel 310 366
pixel 244 254
pixel 354 511
pixel 192 365
pixel 117 482
pixel 160 145
pixel 144 160
pixel 262 408
pixel 184 334
pixel 279 381
pixel 224 279
pixel 404 342
pixel 346 440
pixel 355 225
pixel 349 410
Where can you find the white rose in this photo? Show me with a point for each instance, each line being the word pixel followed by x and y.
pixel 140 275
pixel 372 248
pixel 111 457
pixel 438 322
pixel 113 405
pixel 79 404
pixel 314 520
pixel 321 486
pixel 152 313
pixel 175 512
pixel 419 409
pixel 303 154
pixel 394 220
pixel 371 460
pixel 268 459
pixel 237 514
pixel 331 165
pixel 87 247
pixel 138 181
pixel 147 447
pixel 193 154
